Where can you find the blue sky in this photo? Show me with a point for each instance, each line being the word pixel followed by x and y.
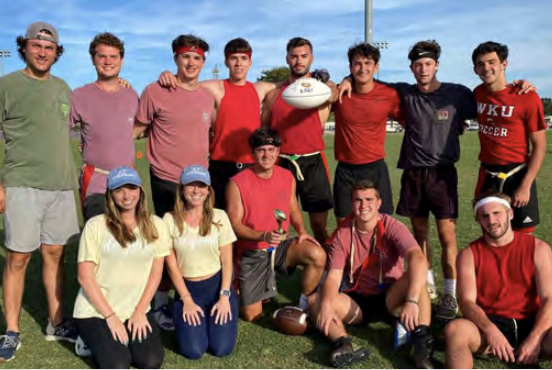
pixel 147 27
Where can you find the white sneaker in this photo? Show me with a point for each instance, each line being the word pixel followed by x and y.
pixel 163 317
pixel 81 349
pixel 432 290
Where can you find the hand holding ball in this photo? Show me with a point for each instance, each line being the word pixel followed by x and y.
pixel 306 93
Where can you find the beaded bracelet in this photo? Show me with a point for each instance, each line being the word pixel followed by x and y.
pixel 412 301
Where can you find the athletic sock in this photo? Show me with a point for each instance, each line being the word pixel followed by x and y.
pixel 303 302
pixel 450 287
pixel 160 299
pixel 430 277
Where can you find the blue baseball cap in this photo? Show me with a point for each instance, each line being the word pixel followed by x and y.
pixel 195 173
pixel 123 176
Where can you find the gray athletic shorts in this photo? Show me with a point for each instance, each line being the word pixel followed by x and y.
pixel 34 217
pixel 257 281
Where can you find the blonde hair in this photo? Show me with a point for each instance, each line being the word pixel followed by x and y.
pixel 120 230
pixel 179 213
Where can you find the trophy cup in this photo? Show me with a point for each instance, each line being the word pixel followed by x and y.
pixel 280 217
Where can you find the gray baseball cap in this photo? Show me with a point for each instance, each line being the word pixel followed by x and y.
pixel 35 31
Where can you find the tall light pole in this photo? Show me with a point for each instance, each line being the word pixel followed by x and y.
pixel 215 73
pixel 4 54
pixel 368 28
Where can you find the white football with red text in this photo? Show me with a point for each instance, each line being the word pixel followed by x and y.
pixel 306 93
pixel 291 320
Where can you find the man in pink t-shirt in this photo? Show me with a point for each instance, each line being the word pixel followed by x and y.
pixel 178 124
pixel 366 280
pixel 105 112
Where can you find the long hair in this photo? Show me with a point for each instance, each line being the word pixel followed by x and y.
pixel 179 213
pixel 120 230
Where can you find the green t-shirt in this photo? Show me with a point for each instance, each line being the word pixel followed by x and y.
pixel 34 115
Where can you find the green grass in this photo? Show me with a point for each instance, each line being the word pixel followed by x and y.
pixel 259 345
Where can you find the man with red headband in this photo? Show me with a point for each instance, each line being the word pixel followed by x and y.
pixel 508 122
pixel 505 293
pixel 238 104
pixel 178 123
pixel 366 280
pixel 301 130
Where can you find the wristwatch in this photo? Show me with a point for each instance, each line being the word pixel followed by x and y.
pixel 225 293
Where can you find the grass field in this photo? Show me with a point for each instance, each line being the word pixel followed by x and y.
pixel 259 345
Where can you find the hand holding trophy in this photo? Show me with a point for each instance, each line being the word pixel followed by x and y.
pixel 280 218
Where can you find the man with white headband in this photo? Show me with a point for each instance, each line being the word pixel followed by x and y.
pixel 178 123
pixel 505 292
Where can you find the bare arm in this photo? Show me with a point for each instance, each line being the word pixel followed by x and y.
pixel 543 266
pixel 264 87
pixel 335 93
pixel 330 287
pixel 93 292
pixel 296 218
pixel 2 198
pixel 139 129
pixel 151 286
pixel 227 266
pixel 266 115
pixel 417 272
pixel 523 192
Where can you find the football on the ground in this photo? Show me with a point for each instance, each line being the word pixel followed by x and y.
pixel 306 93
pixel 291 320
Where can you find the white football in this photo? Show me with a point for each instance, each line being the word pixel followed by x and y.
pixel 306 93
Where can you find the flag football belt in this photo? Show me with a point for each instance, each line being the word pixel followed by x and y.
pixel 503 176
pixel 87 172
pixel 293 159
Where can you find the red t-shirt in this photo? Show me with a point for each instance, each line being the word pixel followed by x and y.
pixel 260 197
pixel 180 120
pixel 360 124
pixel 505 121
pixel 397 241
pixel 300 129
pixel 238 116
pixel 505 277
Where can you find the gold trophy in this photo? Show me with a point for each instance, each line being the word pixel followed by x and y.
pixel 280 218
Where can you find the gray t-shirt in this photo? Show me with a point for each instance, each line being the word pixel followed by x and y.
pixel 433 123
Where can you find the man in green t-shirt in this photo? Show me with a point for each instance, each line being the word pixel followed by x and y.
pixel 37 181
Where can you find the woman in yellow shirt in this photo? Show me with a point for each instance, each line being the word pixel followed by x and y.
pixel 120 261
pixel 200 266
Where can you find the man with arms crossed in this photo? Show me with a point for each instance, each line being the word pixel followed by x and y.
pixel 238 104
pixel 37 181
pixel 504 292
pixel 179 123
pixel 105 111
pixel 508 122
pixel 252 197
pixel 367 253
pixel 360 123
pixel 301 130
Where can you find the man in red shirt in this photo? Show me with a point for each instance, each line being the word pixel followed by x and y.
pixel 360 128
pixel 253 195
pixel 508 122
pixel 504 292
pixel 301 130
pixel 367 255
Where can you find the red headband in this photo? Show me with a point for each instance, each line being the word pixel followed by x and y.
pixel 230 53
pixel 190 49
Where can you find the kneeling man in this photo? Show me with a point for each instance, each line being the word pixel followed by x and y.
pixel 368 252
pixel 252 196
pixel 504 292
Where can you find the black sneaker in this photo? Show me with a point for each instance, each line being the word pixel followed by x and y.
pixel 422 343
pixel 344 354
pixel 65 331
pixel 9 344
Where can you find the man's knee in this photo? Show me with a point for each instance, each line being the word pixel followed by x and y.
pixel 17 262
pixel 456 333
pixel 315 255
pixel 52 253
pixel 446 229
pixel 252 312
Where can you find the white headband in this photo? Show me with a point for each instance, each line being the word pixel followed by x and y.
pixel 486 200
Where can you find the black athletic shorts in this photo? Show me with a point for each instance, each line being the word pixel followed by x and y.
pixel 527 216
pixel 373 307
pixel 429 189
pixel 220 173
pixel 94 205
pixel 315 192
pixel 256 279
pixel 515 331
pixel 163 193
pixel 347 174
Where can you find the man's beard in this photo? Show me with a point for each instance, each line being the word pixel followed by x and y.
pixel 505 229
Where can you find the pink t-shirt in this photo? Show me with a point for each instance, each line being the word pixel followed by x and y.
pixel 106 120
pixel 179 132
pixel 397 240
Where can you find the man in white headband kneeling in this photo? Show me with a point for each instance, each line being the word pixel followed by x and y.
pixel 504 292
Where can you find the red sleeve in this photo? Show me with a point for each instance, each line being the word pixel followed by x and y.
pixel 534 114
pixel 400 237
pixel 146 107
pixel 395 112
pixel 337 255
